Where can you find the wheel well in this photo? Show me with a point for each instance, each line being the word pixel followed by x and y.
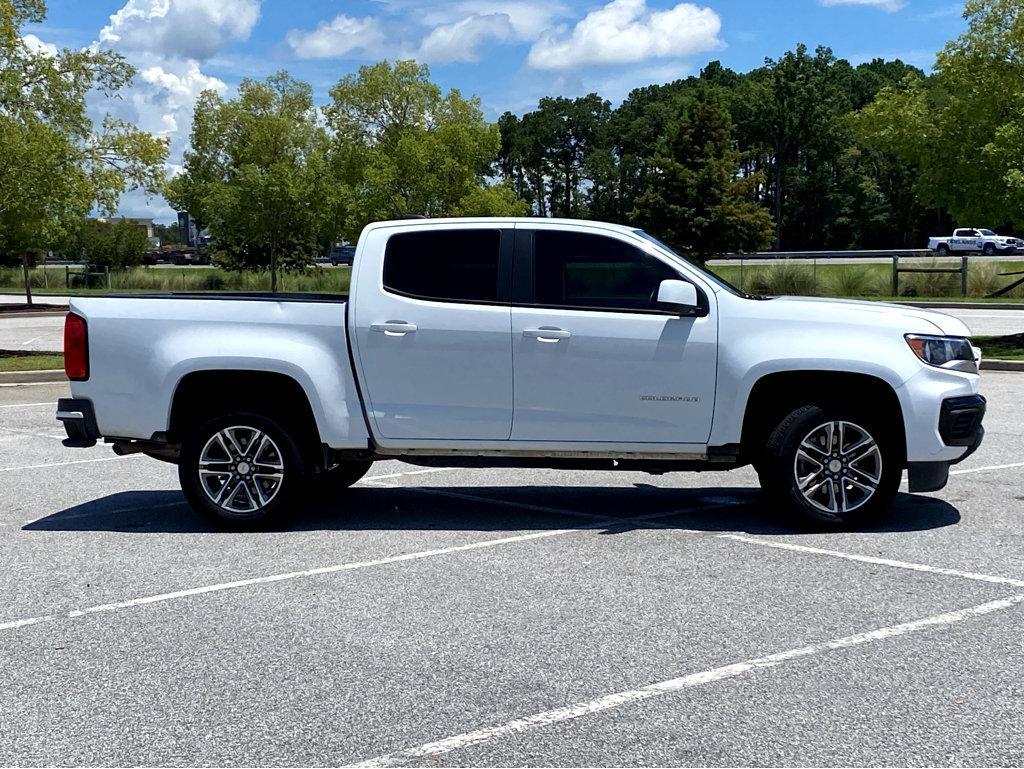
pixel 776 395
pixel 203 395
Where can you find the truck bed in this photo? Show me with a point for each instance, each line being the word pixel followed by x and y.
pixel 141 346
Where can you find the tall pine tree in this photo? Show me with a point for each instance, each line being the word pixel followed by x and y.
pixel 697 201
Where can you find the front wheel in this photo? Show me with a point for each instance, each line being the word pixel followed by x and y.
pixel 989 249
pixel 831 467
pixel 241 469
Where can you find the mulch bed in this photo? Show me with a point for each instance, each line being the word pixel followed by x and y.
pixel 24 309
pixel 23 353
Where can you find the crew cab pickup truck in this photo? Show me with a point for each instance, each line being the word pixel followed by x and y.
pixel 524 343
pixel 972 241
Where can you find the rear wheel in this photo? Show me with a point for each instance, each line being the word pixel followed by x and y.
pixel 241 469
pixel 942 250
pixel 831 466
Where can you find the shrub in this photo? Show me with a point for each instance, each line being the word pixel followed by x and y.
pixel 930 283
pixel 854 280
pixel 983 278
pixel 783 279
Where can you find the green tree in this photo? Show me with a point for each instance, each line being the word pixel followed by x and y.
pixel 962 128
pixel 167 233
pixel 56 164
pixel 113 243
pixel 696 200
pixel 402 147
pixel 257 175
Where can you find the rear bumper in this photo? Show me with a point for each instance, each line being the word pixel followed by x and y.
pixel 959 425
pixel 79 420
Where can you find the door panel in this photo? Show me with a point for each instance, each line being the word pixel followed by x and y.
pixel 439 368
pixel 621 371
pixel 617 377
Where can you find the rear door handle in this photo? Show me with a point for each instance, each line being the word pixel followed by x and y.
pixel 547 334
pixel 394 328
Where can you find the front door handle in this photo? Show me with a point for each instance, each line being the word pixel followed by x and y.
pixel 394 328
pixel 547 334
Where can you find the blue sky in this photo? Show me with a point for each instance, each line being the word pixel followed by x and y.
pixel 507 53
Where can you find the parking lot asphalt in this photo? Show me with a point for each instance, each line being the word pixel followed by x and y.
pixel 504 618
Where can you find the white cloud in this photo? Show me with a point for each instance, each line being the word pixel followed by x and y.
pixel 627 32
pixel 189 29
pixel 342 36
pixel 167 41
pixel 890 6
pixel 460 41
pixel 460 28
pixel 527 18
pixel 36 45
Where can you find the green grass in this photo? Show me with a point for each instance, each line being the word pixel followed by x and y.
pixel 161 279
pixel 46 361
pixel 871 281
pixel 1001 347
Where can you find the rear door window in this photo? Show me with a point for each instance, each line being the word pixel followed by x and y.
pixel 444 265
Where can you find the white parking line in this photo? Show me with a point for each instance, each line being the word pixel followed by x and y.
pixel 986 469
pixel 287 576
pixel 648 521
pixel 19 431
pixel 65 464
pixel 874 560
pixel 409 472
pixel 601 522
pixel 671 686
pixel 51 404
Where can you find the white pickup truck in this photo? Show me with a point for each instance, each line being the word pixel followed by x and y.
pixel 971 241
pixel 524 343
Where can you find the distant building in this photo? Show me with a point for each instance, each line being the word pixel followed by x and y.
pixel 140 222
pixel 186 229
pixel 144 224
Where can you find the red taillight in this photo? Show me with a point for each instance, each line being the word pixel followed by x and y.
pixel 76 347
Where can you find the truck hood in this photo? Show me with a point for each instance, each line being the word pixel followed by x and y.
pixel 877 313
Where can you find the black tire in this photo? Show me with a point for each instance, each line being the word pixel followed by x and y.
pixel 942 250
pixel 989 249
pixel 239 465
pixel 853 508
pixel 344 475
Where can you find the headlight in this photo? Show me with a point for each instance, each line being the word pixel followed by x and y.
pixel 952 352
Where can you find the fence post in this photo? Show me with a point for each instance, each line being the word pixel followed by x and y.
pixel 107 271
pixel 67 276
pixel 963 276
pixel 896 275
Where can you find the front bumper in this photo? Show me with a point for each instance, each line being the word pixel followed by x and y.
pixel 959 425
pixel 79 420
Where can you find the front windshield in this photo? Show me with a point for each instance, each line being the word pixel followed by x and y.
pixel 986 232
pixel 717 280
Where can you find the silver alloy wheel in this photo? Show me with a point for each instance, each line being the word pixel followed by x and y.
pixel 241 469
pixel 838 467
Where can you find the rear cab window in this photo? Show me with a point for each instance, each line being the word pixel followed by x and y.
pixel 460 265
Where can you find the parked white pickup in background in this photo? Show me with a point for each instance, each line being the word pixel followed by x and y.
pixel 972 241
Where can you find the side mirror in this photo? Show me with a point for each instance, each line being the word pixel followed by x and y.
pixel 678 296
